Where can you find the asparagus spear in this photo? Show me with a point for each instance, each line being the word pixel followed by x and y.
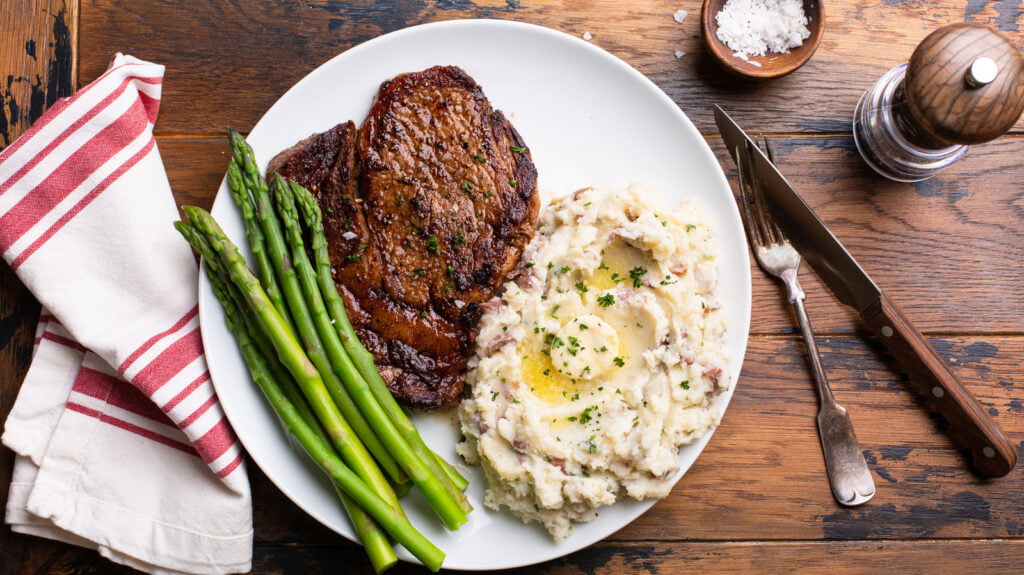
pixel 265 373
pixel 257 243
pixel 450 504
pixel 362 358
pixel 282 261
pixel 292 355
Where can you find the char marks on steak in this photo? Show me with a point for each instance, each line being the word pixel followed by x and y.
pixel 426 207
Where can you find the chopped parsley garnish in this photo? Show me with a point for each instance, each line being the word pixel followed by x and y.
pixel 480 159
pixel 467 186
pixel 459 240
pixel 420 271
pixel 512 182
pixel 619 361
pixel 636 273
pixel 606 300
pixel 685 384
pixel 583 289
pixel 585 417
pixel 529 264
pixel 432 244
pixel 690 227
pixel 517 149
pixel 553 340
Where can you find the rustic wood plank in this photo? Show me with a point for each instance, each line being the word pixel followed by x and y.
pixel 241 55
pixel 799 557
pixel 937 557
pixel 948 250
pixel 37 66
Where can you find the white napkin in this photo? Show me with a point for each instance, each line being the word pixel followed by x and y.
pixel 123 446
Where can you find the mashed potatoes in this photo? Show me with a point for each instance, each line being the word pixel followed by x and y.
pixel 598 361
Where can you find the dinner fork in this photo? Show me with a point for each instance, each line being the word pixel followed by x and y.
pixel 848 473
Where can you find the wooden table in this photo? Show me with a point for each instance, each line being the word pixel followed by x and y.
pixel 949 249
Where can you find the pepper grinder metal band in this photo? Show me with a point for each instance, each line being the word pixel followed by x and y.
pixel 964 85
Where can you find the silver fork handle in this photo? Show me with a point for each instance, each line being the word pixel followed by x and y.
pixel 848 472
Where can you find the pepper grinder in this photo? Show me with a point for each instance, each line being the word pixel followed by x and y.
pixel 964 85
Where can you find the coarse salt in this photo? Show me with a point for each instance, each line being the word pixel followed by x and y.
pixel 754 27
pixel 587 36
pixel 679 16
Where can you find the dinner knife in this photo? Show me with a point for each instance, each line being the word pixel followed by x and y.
pixel 991 453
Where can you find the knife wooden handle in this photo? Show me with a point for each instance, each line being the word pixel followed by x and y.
pixel 992 455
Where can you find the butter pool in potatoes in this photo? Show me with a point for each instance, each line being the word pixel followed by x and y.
pixel 598 361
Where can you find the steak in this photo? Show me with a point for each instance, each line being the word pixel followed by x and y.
pixel 427 207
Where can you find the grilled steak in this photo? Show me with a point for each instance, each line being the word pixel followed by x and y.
pixel 426 208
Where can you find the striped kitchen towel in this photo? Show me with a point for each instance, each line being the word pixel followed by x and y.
pixel 122 445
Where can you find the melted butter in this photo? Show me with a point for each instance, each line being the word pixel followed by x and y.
pixel 540 375
pixel 617 259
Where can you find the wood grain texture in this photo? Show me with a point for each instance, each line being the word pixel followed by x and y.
pixel 938 557
pixel 37 67
pixel 241 55
pixel 950 250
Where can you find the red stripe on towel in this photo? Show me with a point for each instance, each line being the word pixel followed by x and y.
pixel 118 393
pixel 140 431
pixel 215 442
pixel 44 153
pixel 230 467
pixel 71 174
pixel 169 363
pixel 135 355
pixel 70 214
pixel 65 341
pixel 62 104
pixel 183 394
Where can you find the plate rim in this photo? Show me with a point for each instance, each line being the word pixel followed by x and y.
pixel 210 312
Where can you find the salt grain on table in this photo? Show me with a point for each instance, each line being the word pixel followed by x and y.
pixel 679 16
pixel 754 27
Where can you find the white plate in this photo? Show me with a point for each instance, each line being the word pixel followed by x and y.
pixel 589 119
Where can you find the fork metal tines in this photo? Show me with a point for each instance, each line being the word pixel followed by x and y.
pixel 848 472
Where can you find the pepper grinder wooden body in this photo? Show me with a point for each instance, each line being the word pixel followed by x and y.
pixel 964 85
